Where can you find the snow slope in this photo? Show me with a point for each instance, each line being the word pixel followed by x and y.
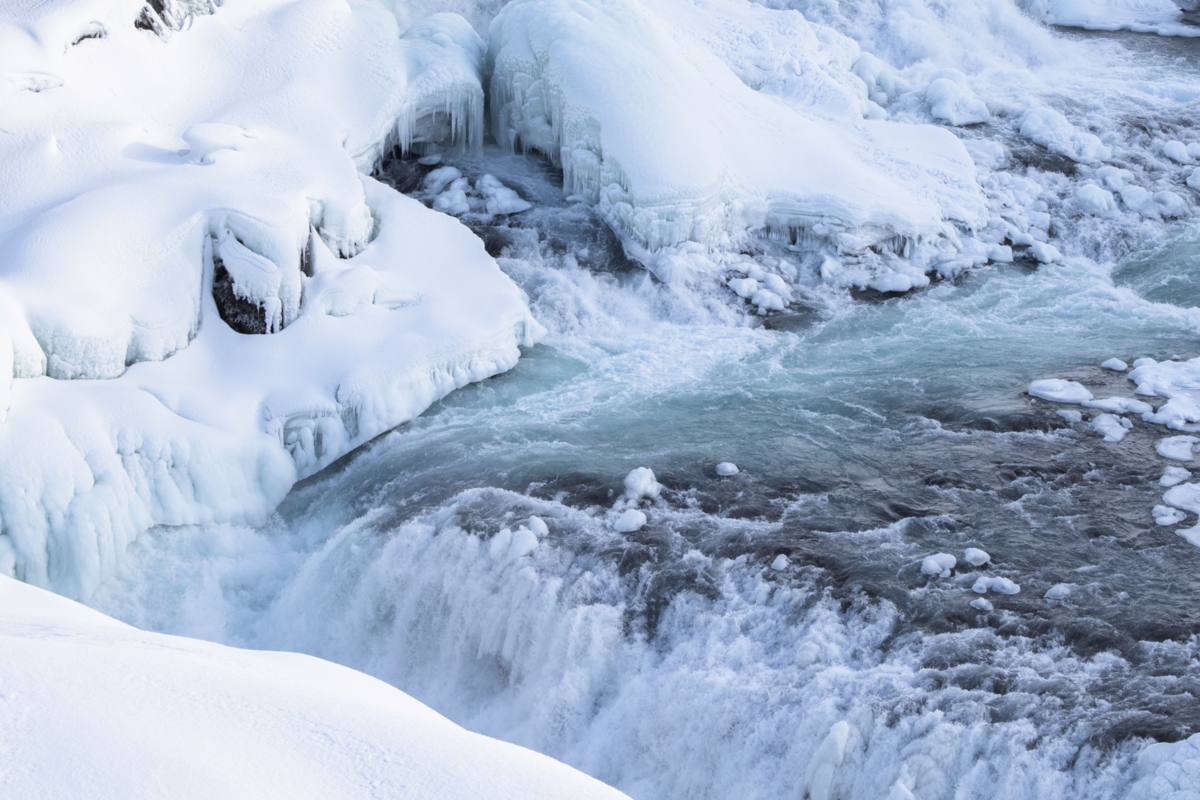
pixel 203 298
pixel 94 708
pixel 672 118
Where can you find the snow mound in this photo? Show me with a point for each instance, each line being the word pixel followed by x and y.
pixel 657 115
pixel 164 716
pixel 168 197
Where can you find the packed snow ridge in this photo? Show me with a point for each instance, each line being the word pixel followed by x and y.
pixel 152 715
pixel 203 298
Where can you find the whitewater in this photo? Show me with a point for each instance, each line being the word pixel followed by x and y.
pixel 874 488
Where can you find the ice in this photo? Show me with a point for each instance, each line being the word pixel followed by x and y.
pixel 1115 364
pixel 203 199
pixel 1059 591
pixel 976 557
pixel 1120 405
pixel 138 714
pixel 648 110
pixel 1168 771
pixel 1184 496
pixel 1060 391
pixel 1070 415
pixel 629 520
pixel 1110 426
pixel 727 468
pixel 985 584
pixel 1160 16
pixel 938 565
pixel 1049 128
pixel 640 484
pixel 1177 448
pixel 780 563
pixel 1165 516
pixel 951 100
pixel 982 604
pixel 1095 200
pixel 1173 476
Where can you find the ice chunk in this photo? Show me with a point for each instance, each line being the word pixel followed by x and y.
pixel 641 484
pixel 1059 591
pixel 1184 496
pixel 1173 476
pixel 1110 15
pixel 727 468
pixel 1060 391
pixel 499 198
pixel 951 100
pixel 1115 364
pixel 1111 427
pixel 1177 151
pixel 1166 516
pixel 986 583
pixel 982 604
pixel 1177 448
pixel 1070 415
pixel 780 563
pixel 1049 128
pixel 629 520
pixel 976 557
pixel 1167 771
pixel 539 527
pixel 938 565
pixel 1095 200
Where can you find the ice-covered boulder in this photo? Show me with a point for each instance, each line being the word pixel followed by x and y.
pixel 202 296
pixel 654 117
pixel 95 708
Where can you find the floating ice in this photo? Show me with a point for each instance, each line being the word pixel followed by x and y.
pixel 1168 771
pixel 938 565
pixel 1115 364
pixel 1049 128
pixel 982 604
pixel 1060 391
pixel 641 484
pixel 984 584
pixel 976 557
pixel 629 520
pixel 1177 448
pixel 780 563
pixel 1070 414
pixel 727 468
pixel 1059 591
pixel 1160 16
pixel 1173 476
pixel 1111 427
pixel 1165 516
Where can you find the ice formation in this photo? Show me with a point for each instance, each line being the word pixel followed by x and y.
pixel 96 708
pixel 204 299
pixel 660 114
pixel 1154 16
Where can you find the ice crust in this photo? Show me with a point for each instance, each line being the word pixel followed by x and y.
pixel 128 401
pixel 95 708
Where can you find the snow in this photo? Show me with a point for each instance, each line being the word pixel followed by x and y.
pixel 976 557
pixel 651 111
pixel 938 565
pixel 1059 391
pixel 95 708
pixel 727 468
pixel 133 402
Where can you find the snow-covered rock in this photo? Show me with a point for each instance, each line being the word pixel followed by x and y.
pixel 202 298
pixel 650 112
pixel 95 708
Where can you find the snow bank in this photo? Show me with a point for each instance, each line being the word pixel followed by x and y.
pixel 164 716
pixel 165 198
pixel 657 115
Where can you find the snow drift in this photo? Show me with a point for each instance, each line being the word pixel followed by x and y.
pixel 162 716
pixel 204 299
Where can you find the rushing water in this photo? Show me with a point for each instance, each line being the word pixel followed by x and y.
pixel 677 661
